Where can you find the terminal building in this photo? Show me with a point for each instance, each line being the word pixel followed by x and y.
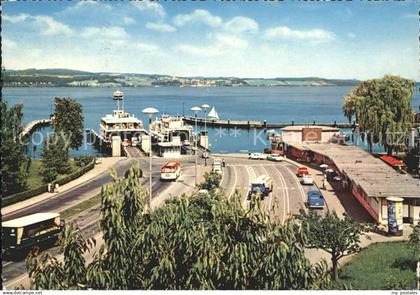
pixel 370 180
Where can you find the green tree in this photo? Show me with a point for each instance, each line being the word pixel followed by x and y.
pixel 55 157
pixel 382 108
pixel 211 181
pixel 414 238
pixel 337 236
pixel 68 119
pixel 46 272
pixel 196 242
pixel 13 157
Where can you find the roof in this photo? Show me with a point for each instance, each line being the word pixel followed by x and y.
pixel 171 164
pixel 375 177
pixel 169 144
pixel 299 128
pixel 29 219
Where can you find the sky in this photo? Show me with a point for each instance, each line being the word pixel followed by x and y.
pixel 342 40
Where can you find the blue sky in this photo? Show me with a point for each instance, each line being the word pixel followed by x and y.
pixel 355 39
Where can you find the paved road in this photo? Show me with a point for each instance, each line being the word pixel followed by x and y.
pixel 288 196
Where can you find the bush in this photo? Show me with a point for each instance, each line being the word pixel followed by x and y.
pixel 83 160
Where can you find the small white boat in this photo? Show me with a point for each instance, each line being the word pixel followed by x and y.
pixel 213 114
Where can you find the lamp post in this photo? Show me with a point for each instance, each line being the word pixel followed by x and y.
pixel 195 110
pixel 205 107
pixel 150 112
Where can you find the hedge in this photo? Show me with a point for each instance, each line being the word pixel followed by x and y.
pixel 12 199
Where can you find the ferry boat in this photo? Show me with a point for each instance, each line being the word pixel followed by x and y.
pixel 121 123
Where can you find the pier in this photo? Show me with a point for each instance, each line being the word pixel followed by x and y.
pixel 34 125
pixel 241 124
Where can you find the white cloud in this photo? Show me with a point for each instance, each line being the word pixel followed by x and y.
pixel 288 33
pixel 199 51
pixel 105 32
pixel 160 27
pixel 15 18
pixel 221 45
pixel 147 47
pixel 129 20
pixel 148 6
pixel 240 24
pixel 198 16
pixel 230 41
pixel 8 44
pixel 49 26
pixel 351 35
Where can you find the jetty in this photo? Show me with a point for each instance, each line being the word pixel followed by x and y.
pixel 242 124
pixel 33 125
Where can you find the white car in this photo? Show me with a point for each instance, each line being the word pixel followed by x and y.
pixel 217 169
pixel 307 180
pixel 275 158
pixel 256 156
pixel 205 155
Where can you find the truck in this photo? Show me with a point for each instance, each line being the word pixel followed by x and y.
pixel 315 199
pixel 30 233
pixel 262 185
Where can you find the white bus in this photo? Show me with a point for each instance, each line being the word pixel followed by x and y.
pixel 170 171
pixel 30 233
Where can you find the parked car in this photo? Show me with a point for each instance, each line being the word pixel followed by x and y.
pixel 302 171
pixel 315 199
pixel 275 158
pixel 256 156
pixel 205 155
pixel 307 180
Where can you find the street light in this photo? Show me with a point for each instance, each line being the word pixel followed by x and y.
pixel 150 112
pixel 195 110
pixel 205 107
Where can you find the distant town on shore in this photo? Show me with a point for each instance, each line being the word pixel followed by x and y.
pixel 75 78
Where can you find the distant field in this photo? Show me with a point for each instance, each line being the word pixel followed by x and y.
pixel 381 266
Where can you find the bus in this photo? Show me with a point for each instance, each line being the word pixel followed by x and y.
pixel 30 233
pixel 170 170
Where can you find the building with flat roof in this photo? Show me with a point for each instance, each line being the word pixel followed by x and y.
pixel 310 133
pixel 370 180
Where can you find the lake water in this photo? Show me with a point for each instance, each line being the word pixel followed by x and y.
pixel 273 104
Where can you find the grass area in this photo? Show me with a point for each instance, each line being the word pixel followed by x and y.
pixel 35 178
pixel 390 265
pixel 81 206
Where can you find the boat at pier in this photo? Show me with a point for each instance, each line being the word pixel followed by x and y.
pixel 120 123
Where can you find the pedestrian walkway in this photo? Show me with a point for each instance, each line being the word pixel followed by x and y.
pixel 104 164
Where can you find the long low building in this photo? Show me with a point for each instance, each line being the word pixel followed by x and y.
pixel 370 180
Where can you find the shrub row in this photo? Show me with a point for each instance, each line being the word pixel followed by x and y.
pixel 12 199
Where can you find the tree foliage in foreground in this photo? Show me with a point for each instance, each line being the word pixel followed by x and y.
pixel 12 149
pixel 414 239
pixel 382 108
pixel 211 181
pixel 337 236
pixel 197 242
